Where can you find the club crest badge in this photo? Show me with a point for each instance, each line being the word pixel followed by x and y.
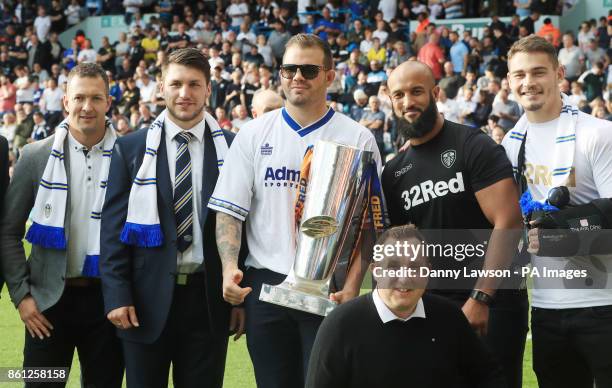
pixel 448 158
pixel 48 210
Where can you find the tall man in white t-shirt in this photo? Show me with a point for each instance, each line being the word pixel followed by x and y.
pixel 571 319
pixel 51 103
pixel 571 57
pixel 258 184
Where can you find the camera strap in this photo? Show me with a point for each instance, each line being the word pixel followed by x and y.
pixel 524 257
pixel 520 164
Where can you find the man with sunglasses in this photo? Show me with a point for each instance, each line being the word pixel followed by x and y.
pixel 259 183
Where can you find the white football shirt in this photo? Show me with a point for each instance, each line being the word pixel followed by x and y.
pixel 260 175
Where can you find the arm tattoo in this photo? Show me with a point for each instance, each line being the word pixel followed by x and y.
pixel 227 233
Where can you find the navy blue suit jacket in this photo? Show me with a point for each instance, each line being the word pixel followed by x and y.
pixel 145 277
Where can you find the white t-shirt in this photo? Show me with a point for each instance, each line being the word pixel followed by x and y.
pixel 570 58
pixel 259 179
pixel 132 6
pixel 87 55
pixel 366 45
pixel 53 99
pixel 450 109
pixel 24 95
pixel 237 9
pixel 62 79
pixel 43 26
pixel 382 35
pixel 593 178
pixel 147 92
pixel 584 38
pixel 388 8
pixel 266 53
pixel 248 36
pixel 72 14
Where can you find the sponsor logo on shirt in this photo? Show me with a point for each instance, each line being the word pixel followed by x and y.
pixel 281 177
pixel 428 190
pixel 266 149
pixel 542 175
pixel 403 170
pixel 448 158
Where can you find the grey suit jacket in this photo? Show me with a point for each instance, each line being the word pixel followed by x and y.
pixel 43 274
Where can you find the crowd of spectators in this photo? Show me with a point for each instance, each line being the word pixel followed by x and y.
pixel 244 42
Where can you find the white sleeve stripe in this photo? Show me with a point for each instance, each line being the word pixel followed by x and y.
pixel 226 211
pixel 229 206
pixel 246 211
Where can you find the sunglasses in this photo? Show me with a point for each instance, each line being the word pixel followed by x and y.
pixel 308 71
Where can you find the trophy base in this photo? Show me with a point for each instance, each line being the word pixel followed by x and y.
pixel 286 296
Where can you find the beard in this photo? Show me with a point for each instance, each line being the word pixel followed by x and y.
pixel 422 125
pixel 298 99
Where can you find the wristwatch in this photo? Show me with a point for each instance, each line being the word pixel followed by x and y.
pixel 481 296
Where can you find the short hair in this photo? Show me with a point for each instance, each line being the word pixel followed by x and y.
pixel 534 44
pixel 402 233
pixel 398 233
pixel 89 70
pixel 188 57
pixel 310 41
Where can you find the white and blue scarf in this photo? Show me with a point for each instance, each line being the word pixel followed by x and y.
pixel 49 210
pixel 142 227
pixel 565 143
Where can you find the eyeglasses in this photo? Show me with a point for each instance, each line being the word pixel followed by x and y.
pixel 308 71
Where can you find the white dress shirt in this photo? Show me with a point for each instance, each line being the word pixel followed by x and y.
pixel 386 315
pixel 191 259
pixel 84 177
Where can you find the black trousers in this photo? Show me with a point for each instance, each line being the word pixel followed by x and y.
pixel 79 322
pixel 279 339
pixel 572 347
pixel 507 331
pixel 186 342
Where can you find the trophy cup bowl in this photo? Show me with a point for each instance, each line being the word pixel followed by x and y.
pixel 335 198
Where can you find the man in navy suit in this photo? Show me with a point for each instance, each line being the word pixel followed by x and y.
pixel 166 300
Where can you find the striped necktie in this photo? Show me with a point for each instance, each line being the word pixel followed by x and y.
pixel 183 193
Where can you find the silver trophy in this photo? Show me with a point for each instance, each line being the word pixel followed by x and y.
pixel 334 205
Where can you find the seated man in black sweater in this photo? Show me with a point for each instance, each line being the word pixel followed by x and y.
pixel 398 337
